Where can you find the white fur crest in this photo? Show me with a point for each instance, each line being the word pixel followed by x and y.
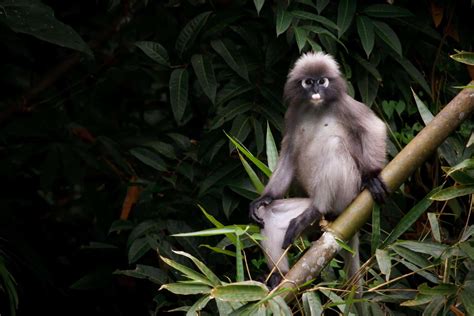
pixel 312 59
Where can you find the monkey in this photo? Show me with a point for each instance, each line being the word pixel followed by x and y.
pixel 333 147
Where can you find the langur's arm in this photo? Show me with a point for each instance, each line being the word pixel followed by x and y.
pixel 278 184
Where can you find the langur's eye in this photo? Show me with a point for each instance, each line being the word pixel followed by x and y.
pixel 307 83
pixel 323 82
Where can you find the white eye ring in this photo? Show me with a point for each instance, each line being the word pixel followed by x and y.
pixel 306 83
pixel 323 82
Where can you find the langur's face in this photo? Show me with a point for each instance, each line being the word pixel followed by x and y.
pixel 315 80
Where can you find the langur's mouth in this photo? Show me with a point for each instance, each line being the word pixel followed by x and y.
pixel 316 98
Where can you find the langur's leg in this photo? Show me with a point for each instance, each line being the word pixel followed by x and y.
pixel 299 224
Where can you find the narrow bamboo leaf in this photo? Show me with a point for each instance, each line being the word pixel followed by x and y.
pixel 465 164
pixel 219 250
pixel 149 158
pixel 314 17
pixel 345 14
pixel 453 192
pixel 441 289
pixel 208 232
pixel 419 260
pixel 336 300
pixel 386 11
pixel 232 59
pixel 434 226
pixel 410 218
pixel 187 272
pixel 301 36
pixel 464 57
pixel 179 86
pixel 365 29
pixel 239 261
pixel 375 237
pixel 252 175
pixel 186 288
pixel 426 274
pixel 425 113
pixel 429 248
pixel 386 34
pixel 384 261
pixel 204 71
pixel 211 218
pixel 283 20
pixel 467 296
pixel 141 271
pixel 258 5
pixel 155 51
pixel 272 152
pixel 190 32
pixel 201 266
pixel 321 5
pixel 312 304
pixel 245 291
pixel 37 19
pixel 467 233
pixel 368 66
pixel 198 306
pixel 414 73
pixel 138 249
pixel 323 32
pixel 419 300
pixel 230 111
pixel 260 165
pixel 284 308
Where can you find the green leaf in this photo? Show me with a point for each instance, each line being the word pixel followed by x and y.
pixel 414 73
pixel 345 14
pixel 233 60
pixel 321 5
pixel 441 289
pixel 214 177
pixel 368 88
pixel 386 11
pixel 410 218
pixel 426 247
pixel 467 296
pixel 219 250
pixel 190 32
pixel 186 288
pixel 240 292
pixel 179 87
pixel 204 70
pixel 301 36
pixel 155 51
pixel 323 32
pixel 465 164
pixel 239 260
pixel 260 165
pixel 384 261
pixel 149 158
pixel 202 267
pixel 368 66
pixel 252 175
pixel 434 226
pixel 313 17
pixel 187 272
pixel 258 5
pixel 141 271
pixel 272 152
pixel 312 304
pixel 453 192
pixel 37 19
pixel 198 305
pixel 283 20
pixel 138 249
pixel 386 34
pixel 464 57
pixel 365 28
pixel 233 109
pixel 375 236
pixel 208 232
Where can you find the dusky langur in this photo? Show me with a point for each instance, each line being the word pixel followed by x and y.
pixel 333 146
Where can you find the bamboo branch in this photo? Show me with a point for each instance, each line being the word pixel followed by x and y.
pixel 394 174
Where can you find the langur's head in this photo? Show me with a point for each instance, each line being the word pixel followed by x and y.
pixel 315 78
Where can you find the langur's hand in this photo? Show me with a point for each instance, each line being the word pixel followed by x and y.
pixel 255 205
pixel 377 188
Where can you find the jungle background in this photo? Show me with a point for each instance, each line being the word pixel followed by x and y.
pixel 113 122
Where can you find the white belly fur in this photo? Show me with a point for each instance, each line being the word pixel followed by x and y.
pixel 324 167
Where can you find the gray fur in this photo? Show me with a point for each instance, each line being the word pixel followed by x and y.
pixel 332 146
